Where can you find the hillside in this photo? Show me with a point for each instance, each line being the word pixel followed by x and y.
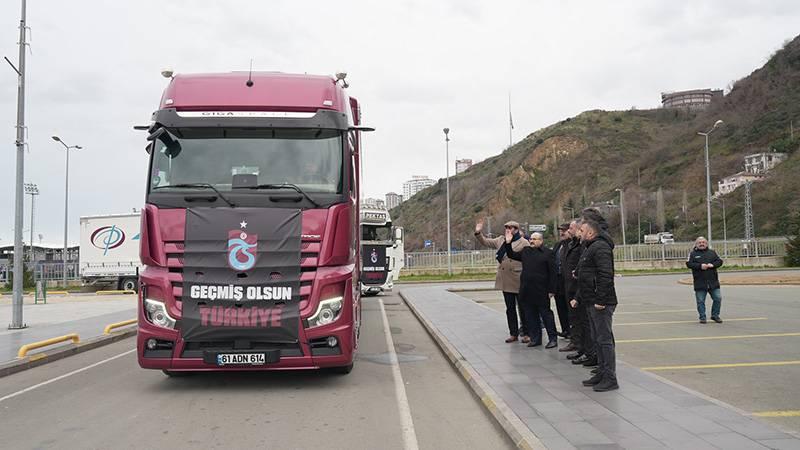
pixel 583 159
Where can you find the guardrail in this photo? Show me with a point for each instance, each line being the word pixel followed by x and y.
pixel 111 326
pixel 23 351
pixel 485 258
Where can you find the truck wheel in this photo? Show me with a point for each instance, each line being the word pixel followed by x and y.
pixel 129 284
pixel 342 370
pixel 176 374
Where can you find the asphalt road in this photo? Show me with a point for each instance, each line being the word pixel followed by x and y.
pixel 751 361
pixel 112 403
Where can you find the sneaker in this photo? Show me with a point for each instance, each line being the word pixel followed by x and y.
pixel 716 319
pixel 581 360
pixel 551 344
pixel 606 385
pixel 702 320
pixel 511 339
pixel 594 380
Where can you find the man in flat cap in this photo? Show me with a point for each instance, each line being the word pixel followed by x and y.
pixel 508 272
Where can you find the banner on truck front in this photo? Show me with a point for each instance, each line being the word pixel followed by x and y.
pixel 241 274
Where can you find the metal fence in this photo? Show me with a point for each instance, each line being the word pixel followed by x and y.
pixel 635 252
pixel 54 271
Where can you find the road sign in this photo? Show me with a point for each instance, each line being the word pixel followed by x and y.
pixel 428 243
pixel 540 228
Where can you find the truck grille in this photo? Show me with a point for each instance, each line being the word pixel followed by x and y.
pixel 309 257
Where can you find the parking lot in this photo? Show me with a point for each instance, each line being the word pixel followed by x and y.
pixel 751 361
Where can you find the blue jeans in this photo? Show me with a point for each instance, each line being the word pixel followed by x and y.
pixel 716 297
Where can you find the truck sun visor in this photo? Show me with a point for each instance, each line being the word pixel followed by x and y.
pixel 323 118
pixel 241 274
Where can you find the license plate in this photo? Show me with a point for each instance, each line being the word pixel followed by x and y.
pixel 247 359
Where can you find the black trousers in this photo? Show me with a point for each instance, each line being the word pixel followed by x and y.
pixel 533 315
pixel 586 330
pixel 561 306
pixel 577 321
pixel 514 328
pixel 601 320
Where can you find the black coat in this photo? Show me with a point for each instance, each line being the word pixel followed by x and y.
pixel 704 280
pixel 596 272
pixel 538 278
pixel 569 266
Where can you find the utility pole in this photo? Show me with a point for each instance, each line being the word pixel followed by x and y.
pixel 708 180
pixel 16 316
pixel 622 218
pixel 447 182
pixel 639 205
pixel 749 230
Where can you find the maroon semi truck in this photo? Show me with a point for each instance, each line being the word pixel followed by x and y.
pixel 249 234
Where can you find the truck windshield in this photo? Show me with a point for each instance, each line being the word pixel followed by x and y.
pixel 227 158
pixel 376 233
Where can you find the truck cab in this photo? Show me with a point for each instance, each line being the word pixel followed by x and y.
pixel 249 234
pixel 382 253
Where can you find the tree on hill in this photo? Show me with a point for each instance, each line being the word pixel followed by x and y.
pixel 793 245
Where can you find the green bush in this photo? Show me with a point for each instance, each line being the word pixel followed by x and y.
pixel 793 245
pixel 27 279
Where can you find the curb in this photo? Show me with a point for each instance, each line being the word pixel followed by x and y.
pixel 519 433
pixel 41 358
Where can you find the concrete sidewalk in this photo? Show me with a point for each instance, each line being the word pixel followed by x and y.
pixel 543 390
pixel 86 315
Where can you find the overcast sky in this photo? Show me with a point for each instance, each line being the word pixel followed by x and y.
pixel 416 66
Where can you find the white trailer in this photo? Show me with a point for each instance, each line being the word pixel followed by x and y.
pixel 109 250
pixel 382 253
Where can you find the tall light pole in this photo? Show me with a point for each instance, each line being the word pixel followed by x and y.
pixel 66 202
pixel 447 182
pixel 622 218
pixel 19 205
pixel 32 190
pixel 708 180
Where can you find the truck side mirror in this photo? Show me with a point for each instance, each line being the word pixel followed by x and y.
pixel 360 128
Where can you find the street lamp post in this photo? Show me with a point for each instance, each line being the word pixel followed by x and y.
pixel 32 190
pixel 708 180
pixel 66 203
pixel 447 183
pixel 622 218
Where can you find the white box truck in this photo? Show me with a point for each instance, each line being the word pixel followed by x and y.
pixel 109 252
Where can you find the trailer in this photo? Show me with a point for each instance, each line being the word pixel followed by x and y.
pixel 109 250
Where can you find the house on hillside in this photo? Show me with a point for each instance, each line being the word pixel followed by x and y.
pixel 761 163
pixel 732 182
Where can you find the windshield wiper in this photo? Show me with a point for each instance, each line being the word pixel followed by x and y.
pixel 291 186
pixel 198 185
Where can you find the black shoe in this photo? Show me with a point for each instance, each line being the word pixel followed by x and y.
pixel 563 335
pixel 702 320
pixel 606 385
pixel 534 344
pixel 568 348
pixel 716 319
pixel 573 356
pixel 595 370
pixel 551 344
pixel 590 362
pixel 580 360
pixel 595 380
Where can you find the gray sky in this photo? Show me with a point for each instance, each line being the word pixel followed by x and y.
pixel 416 66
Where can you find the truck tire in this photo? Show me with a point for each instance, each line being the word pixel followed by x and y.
pixel 341 370
pixel 129 284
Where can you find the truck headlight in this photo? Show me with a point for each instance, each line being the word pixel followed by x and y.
pixel 156 312
pixel 330 307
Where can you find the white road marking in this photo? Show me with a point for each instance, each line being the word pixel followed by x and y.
pixel 409 435
pixel 61 377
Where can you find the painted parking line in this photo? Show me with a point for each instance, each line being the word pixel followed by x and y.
pixel 724 366
pixel 706 338
pixel 687 321
pixel 654 312
pixel 794 413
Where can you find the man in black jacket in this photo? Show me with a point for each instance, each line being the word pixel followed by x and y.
pixel 559 251
pixel 580 333
pixel 596 288
pixel 704 263
pixel 537 286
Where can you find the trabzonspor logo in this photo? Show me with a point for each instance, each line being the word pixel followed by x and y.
pixel 107 238
pixel 242 250
pixel 374 256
